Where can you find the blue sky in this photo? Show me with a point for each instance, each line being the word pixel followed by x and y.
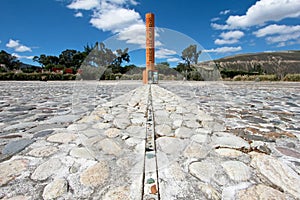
pixel 219 28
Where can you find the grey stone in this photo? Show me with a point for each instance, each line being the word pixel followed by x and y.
pixel 205 171
pixel 55 189
pixel 229 140
pixel 109 146
pixel 136 131
pixel 237 170
pixel 46 169
pixel 121 123
pixel 43 133
pixel 164 130
pixel 169 145
pixel 62 119
pixel 184 132
pixel 16 146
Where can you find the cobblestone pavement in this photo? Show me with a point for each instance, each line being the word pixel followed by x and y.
pixel 89 140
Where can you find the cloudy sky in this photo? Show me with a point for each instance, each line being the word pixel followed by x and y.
pixel 219 28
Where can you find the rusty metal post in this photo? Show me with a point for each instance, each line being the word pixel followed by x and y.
pixel 150 45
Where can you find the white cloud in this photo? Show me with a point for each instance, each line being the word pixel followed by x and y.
pixel 230 37
pixel 223 50
pixel 115 16
pixel 173 59
pixel 84 4
pixel 78 14
pixel 261 12
pixel 115 19
pixel 15 44
pixel 279 34
pixel 215 19
pixel 164 53
pixel 225 12
pixel 24 57
pixel 276 29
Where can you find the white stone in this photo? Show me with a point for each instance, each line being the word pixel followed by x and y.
pixel 164 130
pixel 214 126
pixel 177 123
pixel 205 171
pixel 82 152
pixel 260 192
pixel 101 125
pixel 43 151
pixel 121 123
pixel 237 170
pixel 112 132
pixel 277 173
pixel 45 170
pixel 231 153
pixel 184 132
pixel 170 145
pixel 209 191
pixel 200 138
pixel 136 131
pixel 195 150
pixel 62 137
pixel 119 193
pixel 229 140
pixel 110 147
pixel 55 189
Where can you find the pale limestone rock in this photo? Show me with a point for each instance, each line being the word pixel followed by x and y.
pixel 200 138
pixel 231 153
pixel 164 130
pixel 45 170
pixel 195 150
pixel 89 119
pixel 19 197
pixel 237 170
pixel 215 126
pixel 169 145
pixel 121 123
pixel 229 140
pixel 9 170
pixel 112 132
pixel 62 137
pixel 55 189
pixel 110 147
pixel 77 127
pixel 177 123
pixel 119 193
pixel 44 151
pixel 277 173
pixel 192 124
pixel 101 125
pixel 95 175
pixel 82 152
pixel 136 131
pixel 209 191
pixel 184 132
pixel 260 192
pixel 91 132
pixel 204 170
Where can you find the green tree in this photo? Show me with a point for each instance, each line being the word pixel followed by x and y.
pixel 11 62
pixel 190 55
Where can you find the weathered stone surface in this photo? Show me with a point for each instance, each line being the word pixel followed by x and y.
pixel 200 138
pixel 55 189
pixel 46 169
pixel 112 132
pixel 215 126
pixel 289 152
pixel 170 145
pixel 121 123
pixel 164 130
pixel 277 173
pixel 231 153
pixel 237 170
pixel 192 124
pixel 18 197
pixel 205 171
pixel 110 147
pixel 209 191
pixel 229 140
pixel 95 175
pixel 16 146
pixel 101 125
pixel 119 193
pixel 260 192
pixel 82 152
pixel 43 133
pixel 62 137
pixel 136 131
pixel 62 119
pixel 20 126
pixel 184 132
pixel 77 127
pixel 43 151
pixel 9 170
pixel 195 150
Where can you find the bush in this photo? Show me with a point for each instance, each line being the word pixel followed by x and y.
pixel 255 78
pixel 35 76
pixel 292 77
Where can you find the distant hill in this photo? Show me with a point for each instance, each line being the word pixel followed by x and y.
pixel 267 62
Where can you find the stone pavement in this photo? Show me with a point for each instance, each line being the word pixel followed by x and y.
pixel 103 152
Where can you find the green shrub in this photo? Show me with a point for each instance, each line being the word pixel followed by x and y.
pixel 292 77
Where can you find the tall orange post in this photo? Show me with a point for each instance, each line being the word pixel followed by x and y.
pixel 150 46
